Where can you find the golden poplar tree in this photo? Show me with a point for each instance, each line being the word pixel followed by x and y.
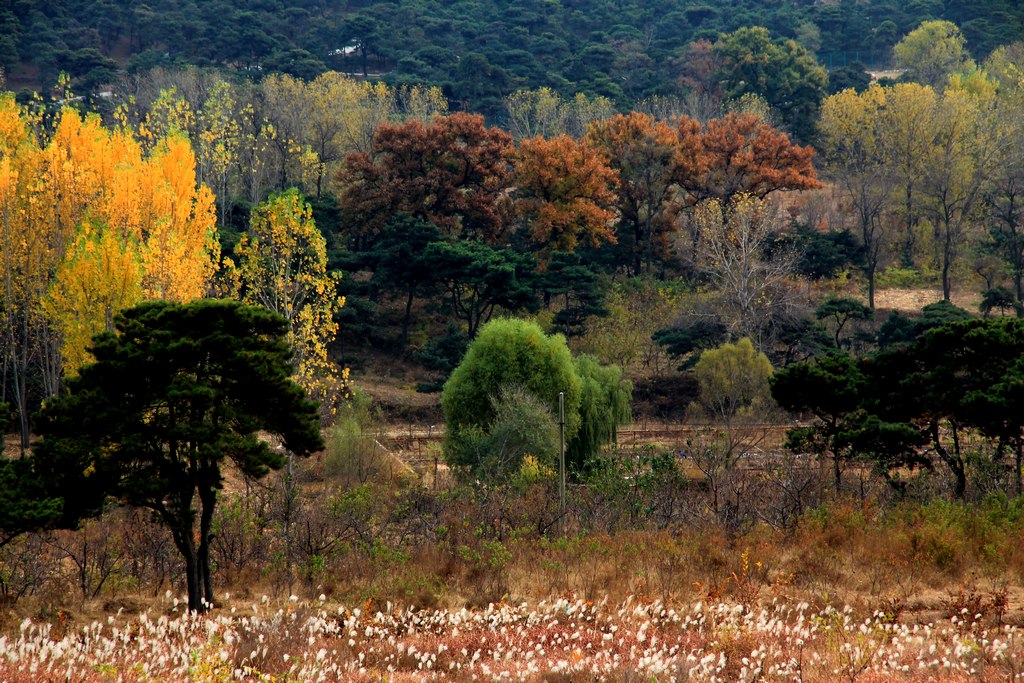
pixel 283 267
pixel 95 224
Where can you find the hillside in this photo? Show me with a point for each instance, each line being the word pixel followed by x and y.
pixel 477 51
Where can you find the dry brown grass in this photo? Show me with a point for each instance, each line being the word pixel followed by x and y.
pixel 913 300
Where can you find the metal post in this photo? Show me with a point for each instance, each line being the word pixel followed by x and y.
pixel 561 461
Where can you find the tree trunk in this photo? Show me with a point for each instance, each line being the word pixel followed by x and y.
pixel 179 519
pixel 183 541
pixel 406 320
pixel 1019 457
pixel 870 273
pixel 953 461
pixel 208 499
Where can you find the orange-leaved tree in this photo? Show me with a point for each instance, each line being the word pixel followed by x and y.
pixel 452 172
pixel 564 189
pixel 740 154
pixel 647 157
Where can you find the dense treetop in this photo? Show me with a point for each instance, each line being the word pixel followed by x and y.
pixel 478 51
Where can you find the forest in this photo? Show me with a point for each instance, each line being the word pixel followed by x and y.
pixel 531 341
pixel 477 52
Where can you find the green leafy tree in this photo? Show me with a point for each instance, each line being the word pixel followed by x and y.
pixel 509 352
pixel 783 73
pixel 580 290
pixel 995 411
pixel 24 502
pixel 959 364
pixel 175 395
pixel 734 394
pixel 830 388
pixel 841 310
pixel 513 362
pixel 400 264
pixel 479 279
pixel 733 380
pixel 604 405
pixel 693 335
pixel 1000 298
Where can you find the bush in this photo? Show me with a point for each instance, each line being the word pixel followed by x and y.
pixel 522 427
pixel 510 352
pixel 352 452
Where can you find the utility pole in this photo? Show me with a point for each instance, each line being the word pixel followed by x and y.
pixel 561 462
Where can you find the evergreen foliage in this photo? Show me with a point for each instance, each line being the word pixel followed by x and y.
pixel 178 393
pixel 478 51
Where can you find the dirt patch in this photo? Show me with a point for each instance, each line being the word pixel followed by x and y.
pixel 402 403
pixel 913 300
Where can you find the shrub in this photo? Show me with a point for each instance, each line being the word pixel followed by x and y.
pixel 522 427
pixel 352 451
pixel 507 352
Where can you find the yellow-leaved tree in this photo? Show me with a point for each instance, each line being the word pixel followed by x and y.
pixel 283 267
pixel 92 223
pixel 143 230
pixel 318 122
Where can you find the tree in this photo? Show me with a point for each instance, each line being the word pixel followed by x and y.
pixel 784 74
pixel 452 173
pixel 946 368
pixel 856 159
pixel 564 192
pixel 580 289
pixel 24 503
pixel 853 77
pixel 733 380
pixel 283 267
pixel 1003 206
pixel 91 222
pixel 830 388
pixel 751 278
pixel 994 410
pixel 604 405
pixel 734 393
pixel 175 394
pixel 400 262
pixel 996 298
pixel 932 52
pixel 645 153
pixel 479 278
pixel 906 129
pixel 841 310
pixel 218 138
pixel 968 147
pixel 543 113
pixel 740 154
pixel 510 352
pixel 689 337
pixel 319 122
